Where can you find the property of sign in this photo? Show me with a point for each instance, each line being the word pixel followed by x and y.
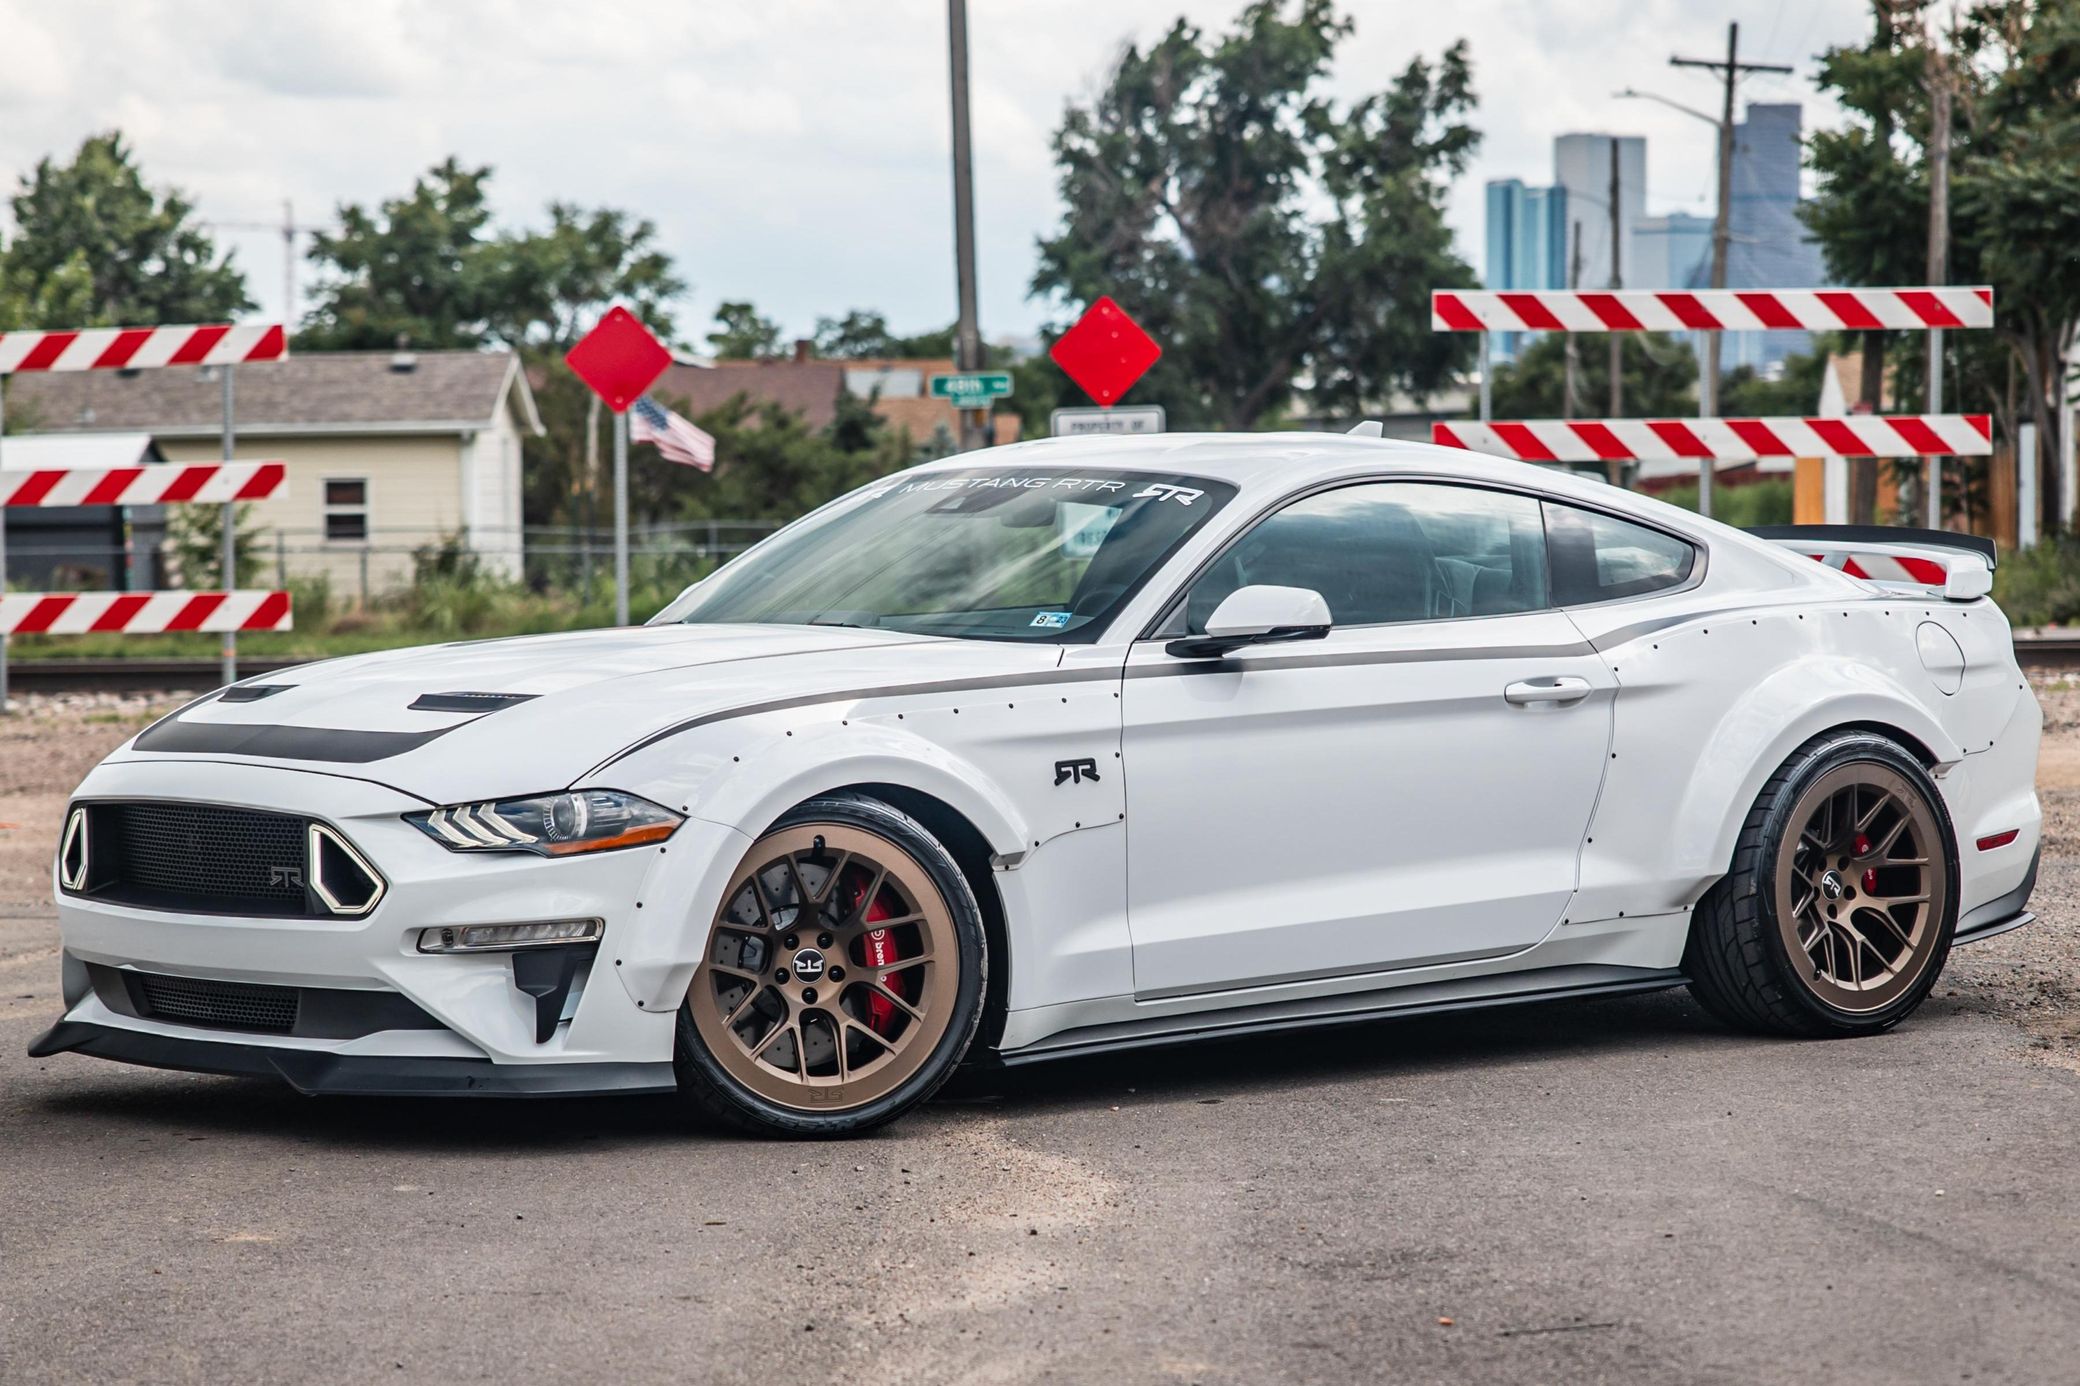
pixel 1080 423
pixel 972 389
pixel 1105 352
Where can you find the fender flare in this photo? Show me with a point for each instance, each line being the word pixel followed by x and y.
pixel 1758 733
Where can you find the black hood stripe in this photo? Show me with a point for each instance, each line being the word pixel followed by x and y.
pixel 176 737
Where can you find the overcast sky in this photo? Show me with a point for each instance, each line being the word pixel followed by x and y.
pixel 793 152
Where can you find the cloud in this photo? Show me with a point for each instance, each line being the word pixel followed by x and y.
pixel 791 151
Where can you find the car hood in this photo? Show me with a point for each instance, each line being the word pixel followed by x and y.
pixel 558 705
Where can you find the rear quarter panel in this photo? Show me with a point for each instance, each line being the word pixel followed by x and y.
pixel 1720 685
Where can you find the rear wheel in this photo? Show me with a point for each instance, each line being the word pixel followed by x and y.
pixel 1838 914
pixel 843 977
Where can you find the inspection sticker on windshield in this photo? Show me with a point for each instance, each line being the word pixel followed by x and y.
pixel 1052 620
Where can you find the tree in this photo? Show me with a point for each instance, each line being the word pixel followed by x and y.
pixel 863 334
pixel 1660 377
pixel 2015 194
pixel 2017 183
pixel 1871 211
pixel 1745 394
pixel 421 269
pixel 741 333
pixel 95 246
pixel 1264 235
pixel 556 283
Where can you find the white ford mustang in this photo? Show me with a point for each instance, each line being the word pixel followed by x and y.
pixel 1082 745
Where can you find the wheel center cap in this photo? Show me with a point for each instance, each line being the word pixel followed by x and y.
pixel 1831 886
pixel 808 965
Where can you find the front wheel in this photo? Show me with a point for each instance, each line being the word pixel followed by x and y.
pixel 1838 914
pixel 843 977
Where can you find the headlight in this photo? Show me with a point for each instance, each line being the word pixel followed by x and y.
pixel 552 825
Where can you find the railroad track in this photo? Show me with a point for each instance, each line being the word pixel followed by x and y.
pixel 129 675
pixel 2052 653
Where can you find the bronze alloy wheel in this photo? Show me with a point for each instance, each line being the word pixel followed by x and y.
pixel 832 971
pixel 1862 892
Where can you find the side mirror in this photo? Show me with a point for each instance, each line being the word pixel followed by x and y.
pixel 1261 615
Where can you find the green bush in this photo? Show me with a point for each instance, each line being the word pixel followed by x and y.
pixel 2040 586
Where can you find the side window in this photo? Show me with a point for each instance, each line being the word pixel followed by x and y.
pixel 346 509
pixel 1598 558
pixel 1391 551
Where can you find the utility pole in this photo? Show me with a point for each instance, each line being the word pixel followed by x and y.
pixel 1617 282
pixel 967 337
pixel 1722 229
pixel 1941 90
pixel 1571 391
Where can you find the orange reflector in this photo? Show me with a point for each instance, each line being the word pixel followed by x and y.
pixel 1987 844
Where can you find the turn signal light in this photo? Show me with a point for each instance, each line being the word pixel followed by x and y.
pixel 502 938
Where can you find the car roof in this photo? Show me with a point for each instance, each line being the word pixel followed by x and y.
pixel 1252 460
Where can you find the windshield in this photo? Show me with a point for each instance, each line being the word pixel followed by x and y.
pixel 1047 554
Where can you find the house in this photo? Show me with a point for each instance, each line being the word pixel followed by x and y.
pixel 86 548
pixel 898 390
pixel 386 453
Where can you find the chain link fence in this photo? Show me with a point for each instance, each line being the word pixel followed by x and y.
pixel 380 563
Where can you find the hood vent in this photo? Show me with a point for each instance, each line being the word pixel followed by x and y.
pixel 252 692
pixel 467 702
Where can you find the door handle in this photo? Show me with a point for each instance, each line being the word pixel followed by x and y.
pixel 1565 690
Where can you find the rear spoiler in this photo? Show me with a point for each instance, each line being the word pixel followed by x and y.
pixel 1959 567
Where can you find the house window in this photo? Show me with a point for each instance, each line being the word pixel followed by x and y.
pixel 346 510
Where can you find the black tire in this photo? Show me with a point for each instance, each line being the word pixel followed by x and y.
pixel 1739 960
pixel 715 1093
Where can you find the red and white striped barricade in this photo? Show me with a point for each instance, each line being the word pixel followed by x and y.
pixel 1722 440
pixel 142 613
pixel 143 348
pixel 1709 310
pixel 1934 309
pixel 166 483
pixel 139 348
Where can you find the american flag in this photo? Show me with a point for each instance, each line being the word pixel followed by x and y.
pixel 678 440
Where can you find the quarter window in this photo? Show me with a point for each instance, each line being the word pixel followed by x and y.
pixel 1391 551
pixel 346 509
pixel 1599 558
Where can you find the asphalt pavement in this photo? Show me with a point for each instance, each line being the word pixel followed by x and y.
pixel 1606 1191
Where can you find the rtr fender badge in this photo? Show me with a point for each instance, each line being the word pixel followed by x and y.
pixel 1075 771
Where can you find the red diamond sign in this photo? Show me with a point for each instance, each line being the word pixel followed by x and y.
pixel 619 359
pixel 1106 352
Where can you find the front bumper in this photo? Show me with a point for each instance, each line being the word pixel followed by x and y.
pixel 368 1075
pixel 484 1034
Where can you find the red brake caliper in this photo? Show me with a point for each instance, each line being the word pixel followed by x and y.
pixel 879 950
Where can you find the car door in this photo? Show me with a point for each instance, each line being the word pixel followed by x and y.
pixel 1412 789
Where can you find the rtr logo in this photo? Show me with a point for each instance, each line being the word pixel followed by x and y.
pixel 1162 491
pixel 1075 771
pixel 285 875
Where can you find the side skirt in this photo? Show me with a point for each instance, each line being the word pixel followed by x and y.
pixel 1558 984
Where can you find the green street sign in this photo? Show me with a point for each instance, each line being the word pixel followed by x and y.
pixel 972 389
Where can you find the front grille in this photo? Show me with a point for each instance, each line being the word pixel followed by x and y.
pixel 201 857
pixel 220 1005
